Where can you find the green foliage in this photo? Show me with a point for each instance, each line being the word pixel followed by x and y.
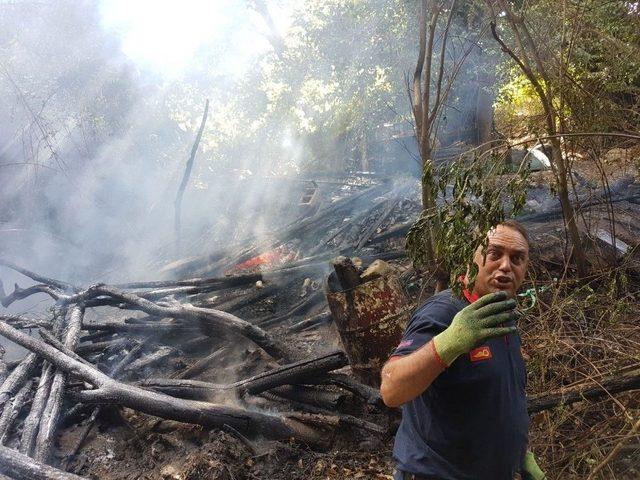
pixel 591 50
pixel 475 194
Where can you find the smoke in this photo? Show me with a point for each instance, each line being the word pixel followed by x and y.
pixel 96 126
pixel 100 103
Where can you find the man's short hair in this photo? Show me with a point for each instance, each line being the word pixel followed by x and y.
pixel 518 227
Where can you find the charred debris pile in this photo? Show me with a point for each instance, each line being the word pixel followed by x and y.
pixel 259 342
pixel 234 349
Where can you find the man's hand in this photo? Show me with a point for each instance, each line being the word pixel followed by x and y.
pixel 475 324
pixel 530 468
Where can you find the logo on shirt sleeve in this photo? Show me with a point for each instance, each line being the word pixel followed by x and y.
pixel 480 353
pixel 406 343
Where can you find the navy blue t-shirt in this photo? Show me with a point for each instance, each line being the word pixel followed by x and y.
pixel 472 422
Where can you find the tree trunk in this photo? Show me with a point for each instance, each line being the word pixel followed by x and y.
pixel 568 211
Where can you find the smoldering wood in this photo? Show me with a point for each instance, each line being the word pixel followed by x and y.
pixel 152 295
pixel 350 225
pixel 12 409
pixel 72 415
pixel 317 320
pixel 141 328
pixel 114 373
pixel 38 404
pixel 351 235
pixel 110 391
pixel 298 372
pixel 308 226
pixel 54 342
pixel 196 344
pixel 343 419
pixel 396 231
pixel 299 308
pixel 51 413
pixel 606 388
pixel 23 323
pixel 31 423
pixel 202 364
pixel 97 336
pixel 314 396
pixel 246 299
pixel 367 393
pixel 368 233
pixel 215 283
pixel 319 263
pixel 209 318
pixel 160 354
pixel 17 377
pixel 244 440
pixel 19 466
pixel 212 317
pixel 84 433
pixel 89 348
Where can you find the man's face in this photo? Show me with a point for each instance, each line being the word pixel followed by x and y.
pixel 505 264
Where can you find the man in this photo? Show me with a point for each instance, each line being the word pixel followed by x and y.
pixel 460 378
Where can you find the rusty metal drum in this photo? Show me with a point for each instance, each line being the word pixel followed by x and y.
pixel 370 319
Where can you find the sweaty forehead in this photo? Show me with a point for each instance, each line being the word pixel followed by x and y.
pixel 508 238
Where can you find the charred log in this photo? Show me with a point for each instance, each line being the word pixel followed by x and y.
pixel 316 397
pixel 370 394
pixel 213 283
pixel 298 309
pixel 311 322
pixel 19 466
pixel 299 372
pixel 51 413
pixel 12 409
pixel 203 364
pixel 31 423
pixel 162 353
pixel 606 388
pixel 110 391
pixel 17 377
pixel 215 319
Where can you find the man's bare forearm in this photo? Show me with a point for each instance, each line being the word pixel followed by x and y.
pixel 406 377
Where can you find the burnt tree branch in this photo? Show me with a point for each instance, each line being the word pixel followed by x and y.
pixel 18 466
pixel 110 391
pixel 187 173
pixel 51 414
pixel 216 319
pixel 298 372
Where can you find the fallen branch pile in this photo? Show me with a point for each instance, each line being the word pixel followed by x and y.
pixel 78 363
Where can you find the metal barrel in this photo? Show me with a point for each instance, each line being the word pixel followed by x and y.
pixel 370 319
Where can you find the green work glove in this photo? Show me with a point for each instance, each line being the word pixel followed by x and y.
pixel 530 468
pixel 475 324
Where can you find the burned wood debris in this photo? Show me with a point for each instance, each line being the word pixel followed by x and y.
pixel 258 342
pixel 175 349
